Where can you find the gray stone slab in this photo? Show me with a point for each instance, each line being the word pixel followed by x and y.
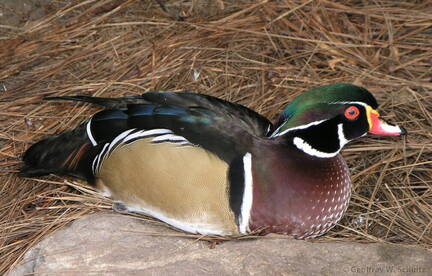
pixel 111 244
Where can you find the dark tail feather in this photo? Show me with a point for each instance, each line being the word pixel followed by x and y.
pixel 69 153
pixel 65 154
pixel 105 102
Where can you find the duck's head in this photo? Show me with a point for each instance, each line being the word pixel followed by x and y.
pixel 322 120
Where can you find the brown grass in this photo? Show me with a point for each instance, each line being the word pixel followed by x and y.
pixel 258 53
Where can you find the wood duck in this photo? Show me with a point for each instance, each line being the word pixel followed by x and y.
pixel 208 166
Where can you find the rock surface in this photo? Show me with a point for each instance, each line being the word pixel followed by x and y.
pixel 111 244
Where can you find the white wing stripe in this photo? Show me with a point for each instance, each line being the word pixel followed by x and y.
pixel 146 133
pixel 119 137
pixel 89 133
pixel 98 158
pixel 169 137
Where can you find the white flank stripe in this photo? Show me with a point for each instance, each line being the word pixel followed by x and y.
pixel 99 157
pixel 119 137
pixel 134 135
pixel 304 146
pixel 89 134
pixel 161 136
pixel 185 143
pixel 268 129
pixel 247 194
pixel 275 134
pixel 146 133
pixel 169 137
pixel 94 164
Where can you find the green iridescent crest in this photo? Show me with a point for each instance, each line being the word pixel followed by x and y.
pixel 316 104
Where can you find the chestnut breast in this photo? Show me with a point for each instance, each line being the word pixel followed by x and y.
pixel 297 194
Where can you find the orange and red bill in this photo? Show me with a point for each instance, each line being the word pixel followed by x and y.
pixel 379 126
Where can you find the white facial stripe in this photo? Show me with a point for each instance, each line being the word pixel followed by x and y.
pixel 305 147
pixel 247 194
pixel 89 134
pixel 359 103
pixel 275 134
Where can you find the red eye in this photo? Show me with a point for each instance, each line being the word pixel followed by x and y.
pixel 352 112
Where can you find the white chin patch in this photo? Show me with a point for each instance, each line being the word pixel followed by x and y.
pixel 308 149
pixel 305 147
